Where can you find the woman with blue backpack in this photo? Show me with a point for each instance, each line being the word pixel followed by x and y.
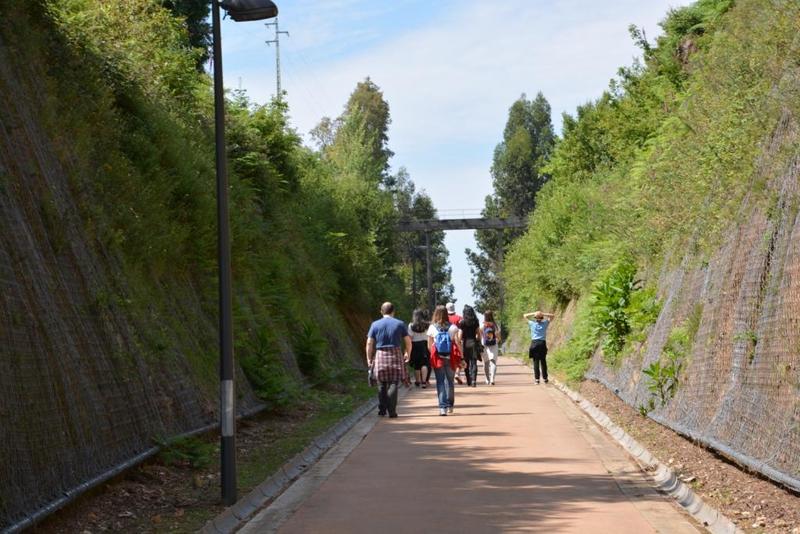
pixel 490 335
pixel 445 357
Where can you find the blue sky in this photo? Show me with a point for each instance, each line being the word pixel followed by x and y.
pixel 449 70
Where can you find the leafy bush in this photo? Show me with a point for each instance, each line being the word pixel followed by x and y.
pixel 193 452
pixel 572 357
pixel 309 347
pixel 610 300
pixel 621 309
pixel 663 378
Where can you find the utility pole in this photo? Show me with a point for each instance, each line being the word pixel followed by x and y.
pixel 277 42
pixel 414 275
pixel 431 296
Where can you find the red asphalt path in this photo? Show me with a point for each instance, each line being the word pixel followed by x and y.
pixel 513 457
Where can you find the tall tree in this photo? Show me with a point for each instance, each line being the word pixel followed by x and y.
pixel 356 145
pixel 528 140
pixel 517 176
pixel 195 12
pixel 365 121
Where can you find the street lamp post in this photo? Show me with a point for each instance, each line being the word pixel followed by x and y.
pixel 239 10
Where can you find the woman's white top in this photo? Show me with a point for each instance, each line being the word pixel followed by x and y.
pixel 417 336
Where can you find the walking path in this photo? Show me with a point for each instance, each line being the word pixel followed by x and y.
pixel 513 457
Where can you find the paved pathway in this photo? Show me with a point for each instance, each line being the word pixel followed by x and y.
pixel 513 457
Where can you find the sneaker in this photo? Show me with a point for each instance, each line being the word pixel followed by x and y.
pixel 545 381
pixel 392 415
pixel 442 411
pixel 537 380
pixel 450 409
pixel 416 384
pixel 459 381
pixel 424 385
pixel 492 382
pixel 487 382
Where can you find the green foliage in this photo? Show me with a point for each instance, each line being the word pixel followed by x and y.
pixel 610 300
pixel 572 358
pixel 664 374
pixel 309 346
pixel 195 13
pixel 517 176
pixel 528 140
pixel 621 309
pixel 663 378
pixel 662 160
pixel 266 372
pixel 131 118
pixel 192 452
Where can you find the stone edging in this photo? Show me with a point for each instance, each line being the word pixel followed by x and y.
pixel 665 478
pixel 235 516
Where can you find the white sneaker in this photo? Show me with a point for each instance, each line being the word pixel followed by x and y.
pixel 487 381
pixel 442 411
pixel 450 409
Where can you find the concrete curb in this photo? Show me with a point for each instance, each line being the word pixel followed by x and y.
pixel 235 516
pixel 665 478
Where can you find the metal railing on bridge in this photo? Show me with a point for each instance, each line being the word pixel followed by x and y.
pixel 461 220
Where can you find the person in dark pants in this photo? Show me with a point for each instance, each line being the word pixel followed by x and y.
pixel 388 349
pixel 470 339
pixel 538 322
pixel 420 357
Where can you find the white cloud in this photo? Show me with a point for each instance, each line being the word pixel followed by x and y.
pixel 450 82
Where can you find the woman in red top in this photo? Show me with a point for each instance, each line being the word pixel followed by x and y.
pixel 444 364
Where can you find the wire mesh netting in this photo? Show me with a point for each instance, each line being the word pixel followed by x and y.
pixel 739 391
pixel 86 383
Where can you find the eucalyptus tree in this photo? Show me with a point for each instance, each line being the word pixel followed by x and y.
pixel 517 175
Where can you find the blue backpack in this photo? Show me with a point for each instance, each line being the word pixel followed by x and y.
pixel 442 343
pixel 488 336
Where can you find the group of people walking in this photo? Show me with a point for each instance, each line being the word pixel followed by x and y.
pixel 443 344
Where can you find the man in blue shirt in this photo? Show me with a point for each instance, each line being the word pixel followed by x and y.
pixel 538 322
pixel 388 350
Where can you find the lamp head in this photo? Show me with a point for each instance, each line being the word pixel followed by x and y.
pixel 247 10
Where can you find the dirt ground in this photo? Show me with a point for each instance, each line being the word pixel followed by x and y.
pixel 161 495
pixel 754 504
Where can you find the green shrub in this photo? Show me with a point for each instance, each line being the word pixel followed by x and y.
pixel 572 358
pixel 664 378
pixel 309 347
pixel 266 372
pixel 193 452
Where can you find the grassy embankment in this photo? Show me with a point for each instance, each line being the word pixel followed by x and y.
pixel 652 173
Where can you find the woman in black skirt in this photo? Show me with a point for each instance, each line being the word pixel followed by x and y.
pixel 420 357
pixel 538 322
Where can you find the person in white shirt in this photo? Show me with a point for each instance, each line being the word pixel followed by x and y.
pixel 420 357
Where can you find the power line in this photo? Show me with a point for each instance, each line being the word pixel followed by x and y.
pixel 277 41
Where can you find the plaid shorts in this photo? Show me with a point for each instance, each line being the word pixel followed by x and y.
pixel 389 365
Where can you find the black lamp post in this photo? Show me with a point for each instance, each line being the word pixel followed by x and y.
pixel 239 10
